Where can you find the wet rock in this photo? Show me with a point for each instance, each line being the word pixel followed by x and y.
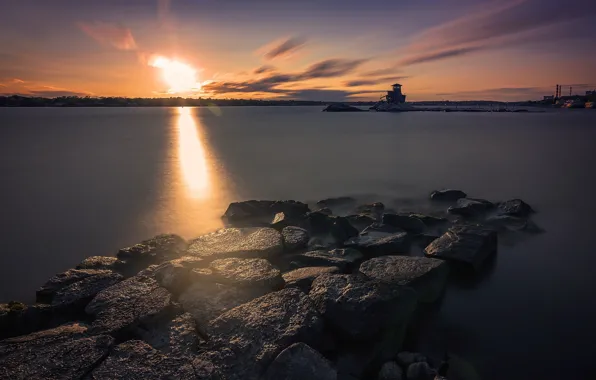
pixel 429 220
pixel 341 229
pixel 374 210
pixel 420 371
pixel 249 337
pixel 260 213
pixel 447 195
pixel 427 276
pixel 360 221
pixel 74 297
pixel 373 246
pixel 127 304
pixel 16 318
pixel 390 371
pixel 246 273
pixel 336 202
pixel 99 262
pixel 470 207
pixel 294 238
pixel 61 353
pixel 238 242
pixel 381 230
pixel 405 358
pixel 171 334
pixel 407 223
pixel 359 309
pixel 153 251
pixel 135 359
pixel 298 362
pixel 320 258
pixel 351 255
pixel 302 278
pixel 515 207
pixel 469 245
pixel 46 293
pixel 317 223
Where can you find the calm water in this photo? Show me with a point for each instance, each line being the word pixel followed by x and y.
pixel 81 182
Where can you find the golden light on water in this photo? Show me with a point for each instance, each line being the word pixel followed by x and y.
pixel 192 155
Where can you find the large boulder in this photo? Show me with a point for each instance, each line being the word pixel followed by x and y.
pixel 361 221
pixel 135 359
pixel 298 362
pixel 390 371
pixel 294 238
pixel 74 297
pixel 260 213
pixel 420 371
pixel 359 309
pixel 447 195
pixel 470 207
pixel 244 273
pixel 246 339
pixel 302 278
pixel 381 230
pixel 514 207
pixel 427 276
pixel 46 293
pixel 127 304
pixel 17 318
pixel 152 251
pixel 238 242
pixel 320 258
pixel 65 352
pixel 341 229
pixel 429 220
pixel 100 262
pixel 173 333
pixel 373 246
pixel 407 223
pixel 469 245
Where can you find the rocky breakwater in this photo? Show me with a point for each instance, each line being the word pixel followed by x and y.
pixel 282 293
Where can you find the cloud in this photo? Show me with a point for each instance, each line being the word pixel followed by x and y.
pixel 264 69
pixel 284 48
pixel 55 93
pixel 373 81
pixel 109 34
pixel 332 68
pixel 438 55
pixel 17 81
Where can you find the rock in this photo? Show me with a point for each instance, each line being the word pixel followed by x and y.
pixel 260 213
pixel 135 359
pixel 341 229
pixel 405 358
pixel 423 240
pixel 372 246
pixel 319 258
pixel 390 371
pixel 174 276
pixel 336 202
pixel 407 223
pixel 249 337
pixel 317 223
pixel 294 238
pixel 246 273
pixel 514 207
pixel 359 309
pixel 172 334
pixel 280 220
pixel 16 318
pixel 62 280
pixel 99 262
pixel 74 297
pixel 447 195
pixel 470 207
pixel 238 242
pixel 61 353
pixel 380 230
pixel 361 221
pixel 302 278
pixel 420 371
pixel 298 362
pixel 427 276
pixel 469 245
pixel 153 251
pixel 351 255
pixel 128 303
pixel 428 220
pixel 374 210
pixel 342 108
pixel 325 210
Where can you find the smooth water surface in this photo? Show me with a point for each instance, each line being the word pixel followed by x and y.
pixel 80 182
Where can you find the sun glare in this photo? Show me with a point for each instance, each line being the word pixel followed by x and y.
pixel 179 76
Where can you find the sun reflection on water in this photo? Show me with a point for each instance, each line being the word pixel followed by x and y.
pixel 192 155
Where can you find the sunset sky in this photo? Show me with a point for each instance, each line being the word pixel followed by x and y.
pixel 299 49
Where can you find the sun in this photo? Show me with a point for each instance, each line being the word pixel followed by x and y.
pixel 179 76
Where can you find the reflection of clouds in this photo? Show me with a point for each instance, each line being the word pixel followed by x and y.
pixel 192 156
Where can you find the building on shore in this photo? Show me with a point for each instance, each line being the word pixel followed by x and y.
pixel 395 96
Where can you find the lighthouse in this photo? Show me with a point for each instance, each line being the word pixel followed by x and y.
pixel 395 96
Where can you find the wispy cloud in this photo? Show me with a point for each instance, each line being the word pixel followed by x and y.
pixel 264 69
pixel 439 55
pixel 284 48
pixel 373 81
pixel 332 68
pixel 109 34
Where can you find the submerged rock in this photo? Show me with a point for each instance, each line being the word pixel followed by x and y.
pixel 303 278
pixel 65 352
pixel 470 207
pixel 238 242
pixel 260 213
pixel 427 276
pixel 153 251
pixel 515 207
pixel 447 195
pixel 100 262
pixel 46 293
pixel 294 238
pixel 373 246
pixel 407 223
pixel 470 245
pixel 298 362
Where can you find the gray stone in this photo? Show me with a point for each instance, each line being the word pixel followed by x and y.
pixel 99 262
pixel 126 304
pixel 359 309
pixel 470 245
pixel 247 338
pixel 65 352
pixel 381 230
pixel 298 362
pixel 317 223
pixel 390 371
pixel 172 334
pixel 515 207
pixel 246 273
pixel 320 258
pixel 294 238
pixel 373 246
pixel 361 221
pixel 342 108
pixel 405 358
pixel 62 280
pixel 427 276
pixel 174 276
pixel 135 359
pixel 407 223
pixel 351 255
pixel 447 195
pixel 423 240
pixel 260 213
pixel 302 278
pixel 238 242
pixel 420 371
pixel 470 207
pixel 429 220
pixel 325 210
pixel 153 251
pixel 74 297
pixel 341 229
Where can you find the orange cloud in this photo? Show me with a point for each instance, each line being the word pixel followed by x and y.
pixel 109 34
